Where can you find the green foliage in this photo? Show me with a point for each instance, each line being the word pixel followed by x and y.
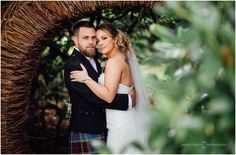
pixel 48 86
pixel 196 99
pixel 186 53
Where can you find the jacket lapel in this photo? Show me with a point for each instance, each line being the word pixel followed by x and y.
pixel 99 68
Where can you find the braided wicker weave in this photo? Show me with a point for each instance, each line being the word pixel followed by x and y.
pixel 26 26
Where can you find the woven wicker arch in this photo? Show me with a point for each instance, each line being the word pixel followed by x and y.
pixel 26 28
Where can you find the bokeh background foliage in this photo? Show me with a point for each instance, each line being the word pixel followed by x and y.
pixel 186 52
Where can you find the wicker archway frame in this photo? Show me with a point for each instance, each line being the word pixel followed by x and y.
pixel 26 26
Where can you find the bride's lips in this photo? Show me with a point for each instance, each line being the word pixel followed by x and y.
pixel 101 48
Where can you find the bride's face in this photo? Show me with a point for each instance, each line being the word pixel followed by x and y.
pixel 105 42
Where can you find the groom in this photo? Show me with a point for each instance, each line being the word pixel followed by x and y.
pixel 88 120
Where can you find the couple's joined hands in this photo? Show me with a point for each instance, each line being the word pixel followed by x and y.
pixel 82 76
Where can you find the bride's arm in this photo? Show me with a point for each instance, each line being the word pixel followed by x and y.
pixel 112 79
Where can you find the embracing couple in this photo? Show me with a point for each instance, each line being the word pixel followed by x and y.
pixel 102 103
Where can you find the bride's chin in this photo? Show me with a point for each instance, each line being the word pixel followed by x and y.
pixel 103 52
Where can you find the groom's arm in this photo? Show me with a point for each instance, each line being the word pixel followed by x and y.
pixel 120 102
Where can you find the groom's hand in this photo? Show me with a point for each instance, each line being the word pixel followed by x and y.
pixel 133 96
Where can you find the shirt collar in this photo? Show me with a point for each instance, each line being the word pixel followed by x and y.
pixel 82 54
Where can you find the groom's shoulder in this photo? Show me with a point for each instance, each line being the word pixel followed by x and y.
pixel 72 62
pixel 74 57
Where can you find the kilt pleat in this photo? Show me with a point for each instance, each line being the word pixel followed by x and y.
pixel 81 142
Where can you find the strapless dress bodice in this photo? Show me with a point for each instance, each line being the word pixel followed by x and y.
pixel 122 89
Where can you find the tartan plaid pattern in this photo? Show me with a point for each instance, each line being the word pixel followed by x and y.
pixel 81 142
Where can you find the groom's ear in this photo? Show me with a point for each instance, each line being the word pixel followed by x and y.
pixel 75 39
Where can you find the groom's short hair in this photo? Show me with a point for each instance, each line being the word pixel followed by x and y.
pixel 75 27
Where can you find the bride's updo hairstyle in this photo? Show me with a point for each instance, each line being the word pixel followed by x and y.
pixel 122 40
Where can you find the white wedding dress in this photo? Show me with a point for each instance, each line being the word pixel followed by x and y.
pixel 121 125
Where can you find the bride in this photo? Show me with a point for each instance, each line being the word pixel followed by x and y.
pixel 121 75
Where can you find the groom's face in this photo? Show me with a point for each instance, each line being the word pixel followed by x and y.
pixel 85 41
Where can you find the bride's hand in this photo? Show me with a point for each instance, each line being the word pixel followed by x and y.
pixel 133 97
pixel 79 76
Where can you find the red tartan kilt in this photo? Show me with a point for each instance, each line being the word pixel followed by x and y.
pixel 81 142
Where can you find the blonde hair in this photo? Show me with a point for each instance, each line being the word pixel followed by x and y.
pixel 123 42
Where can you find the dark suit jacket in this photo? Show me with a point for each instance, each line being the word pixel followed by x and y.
pixel 88 114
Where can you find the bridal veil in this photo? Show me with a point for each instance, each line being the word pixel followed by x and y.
pixel 142 102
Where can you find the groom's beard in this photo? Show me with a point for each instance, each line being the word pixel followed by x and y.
pixel 88 51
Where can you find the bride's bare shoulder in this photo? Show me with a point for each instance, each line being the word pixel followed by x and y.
pixel 112 65
pixel 115 63
pixel 116 59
